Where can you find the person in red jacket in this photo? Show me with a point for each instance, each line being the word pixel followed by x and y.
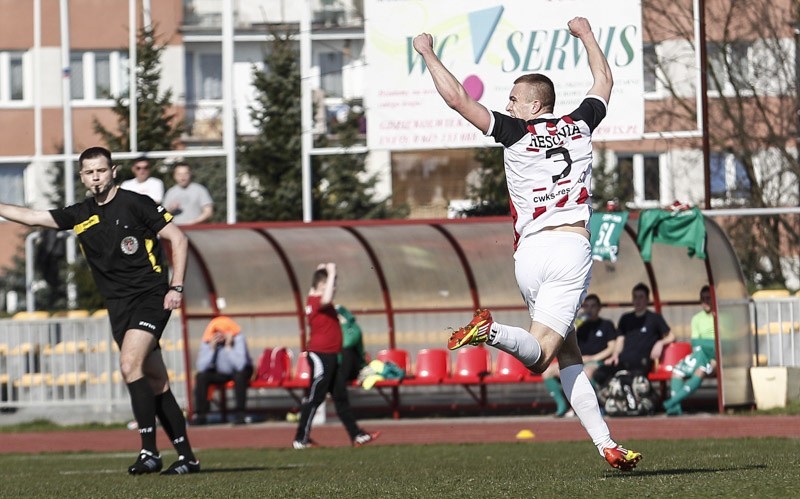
pixel 324 346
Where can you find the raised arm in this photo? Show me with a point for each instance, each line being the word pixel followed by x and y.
pixel 27 216
pixel 451 90
pixel 330 285
pixel 601 72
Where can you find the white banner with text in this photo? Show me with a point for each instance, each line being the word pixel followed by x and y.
pixel 487 44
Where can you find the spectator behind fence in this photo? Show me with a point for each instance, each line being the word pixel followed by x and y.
pixel 323 348
pixel 142 182
pixel 189 202
pixel 642 335
pixel 688 374
pixel 353 357
pixel 596 340
pixel 223 357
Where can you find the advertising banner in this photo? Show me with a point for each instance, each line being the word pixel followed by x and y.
pixel 487 44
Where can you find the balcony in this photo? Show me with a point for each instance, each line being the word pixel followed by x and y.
pixel 250 14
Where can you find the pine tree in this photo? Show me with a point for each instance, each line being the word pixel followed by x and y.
pixel 489 193
pixel 270 185
pixel 344 190
pixel 157 126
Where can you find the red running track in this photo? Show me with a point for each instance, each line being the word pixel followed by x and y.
pixel 416 432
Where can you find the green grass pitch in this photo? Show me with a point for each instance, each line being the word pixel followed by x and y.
pixel 688 468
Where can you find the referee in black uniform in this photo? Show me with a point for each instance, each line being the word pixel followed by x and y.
pixel 119 233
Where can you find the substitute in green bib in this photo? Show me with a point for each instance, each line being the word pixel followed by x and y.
pixel 688 374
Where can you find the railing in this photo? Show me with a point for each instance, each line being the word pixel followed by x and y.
pixel 776 331
pixel 75 362
pixel 61 362
pixel 247 13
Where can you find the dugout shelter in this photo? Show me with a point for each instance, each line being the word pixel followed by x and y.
pixel 409 281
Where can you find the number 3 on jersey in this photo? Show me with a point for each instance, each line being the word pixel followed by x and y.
pixel 565 154
pixel 565 157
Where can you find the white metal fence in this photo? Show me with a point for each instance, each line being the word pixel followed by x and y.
pixel 75 363
pixel 776 331
pixel 72 362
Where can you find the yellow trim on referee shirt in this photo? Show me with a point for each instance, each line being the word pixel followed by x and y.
pixel 86 224
pixel 148 246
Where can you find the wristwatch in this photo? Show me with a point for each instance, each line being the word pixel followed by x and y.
pixel 178 288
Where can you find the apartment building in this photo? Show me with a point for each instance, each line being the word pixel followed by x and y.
pixel 661 168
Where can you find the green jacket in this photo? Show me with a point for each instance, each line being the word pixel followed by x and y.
pixel 351 333
pixel 677 228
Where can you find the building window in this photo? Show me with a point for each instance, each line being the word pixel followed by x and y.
pixel 639 178
pixel 76 76
pixel 652 178
pixel 330 73
pixel 729 178
pixel 12 77
pixel 649 65
pixel 625 179
pixel 12 186
pixel 98 75
pixel 728 67
pixel 203 76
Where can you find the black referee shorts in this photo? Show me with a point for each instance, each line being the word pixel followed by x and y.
pixel 144 312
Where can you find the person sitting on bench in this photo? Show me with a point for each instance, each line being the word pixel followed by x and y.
pixel 223 357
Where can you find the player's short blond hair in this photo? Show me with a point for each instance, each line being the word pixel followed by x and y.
pixel 542 89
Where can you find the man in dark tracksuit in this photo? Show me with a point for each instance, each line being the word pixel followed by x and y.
pixel 324 346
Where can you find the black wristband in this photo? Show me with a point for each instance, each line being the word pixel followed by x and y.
pixel 179 289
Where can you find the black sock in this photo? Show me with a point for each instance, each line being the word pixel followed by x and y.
pixel 171 417
pixel 144 411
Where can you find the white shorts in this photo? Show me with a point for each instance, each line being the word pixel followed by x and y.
pixel 553 270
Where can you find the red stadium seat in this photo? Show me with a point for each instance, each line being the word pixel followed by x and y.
pixel 472 364
pixel 508 369
pixel 302 376
pixel 274 366
pixel 672 354
pixel 433 367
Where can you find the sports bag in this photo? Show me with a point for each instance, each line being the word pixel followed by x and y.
pixel 628 394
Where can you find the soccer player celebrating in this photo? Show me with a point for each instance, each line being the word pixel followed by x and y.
pixel 119 233
pixel 548 163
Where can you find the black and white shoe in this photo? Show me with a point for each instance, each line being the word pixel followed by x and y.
pixel 182 467
pixel 365 438
pixel 310 444
pixel 147 463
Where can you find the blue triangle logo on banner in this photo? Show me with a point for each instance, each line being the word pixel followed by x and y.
pixel 482 24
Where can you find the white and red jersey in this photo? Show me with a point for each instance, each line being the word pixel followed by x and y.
pixel 548 163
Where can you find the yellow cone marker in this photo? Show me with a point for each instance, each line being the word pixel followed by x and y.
pixel 525 434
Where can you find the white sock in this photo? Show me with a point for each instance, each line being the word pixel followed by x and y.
pixel 583 399
pixel 516 341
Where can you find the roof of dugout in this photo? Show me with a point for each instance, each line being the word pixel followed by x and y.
pixel 408 282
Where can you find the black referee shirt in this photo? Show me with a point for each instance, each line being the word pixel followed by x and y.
pixel 119 240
